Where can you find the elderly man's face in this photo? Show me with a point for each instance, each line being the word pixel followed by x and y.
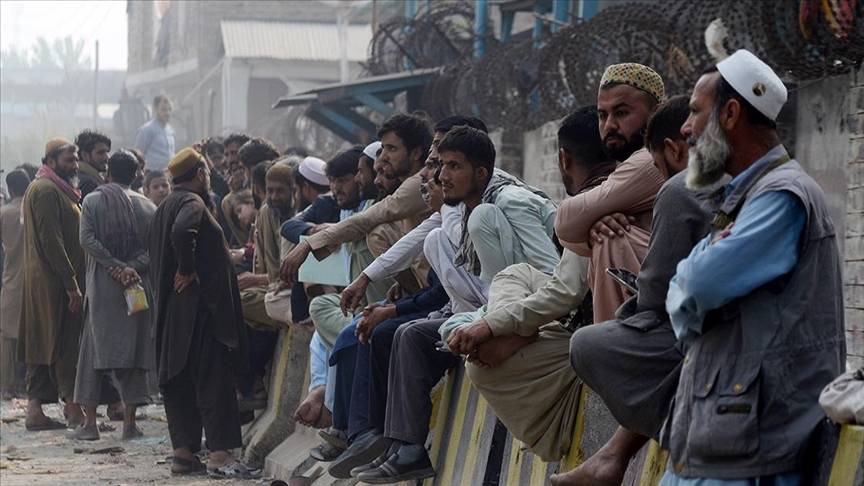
pixel 280 196
pixel 701 107
pixel 710 146
pixel 66 164
pixel 623 112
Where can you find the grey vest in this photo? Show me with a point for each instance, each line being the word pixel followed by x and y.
pixel 748 397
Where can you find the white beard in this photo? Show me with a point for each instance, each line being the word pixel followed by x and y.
pixel 707 158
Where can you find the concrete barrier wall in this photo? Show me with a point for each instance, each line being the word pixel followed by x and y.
pixel 466 450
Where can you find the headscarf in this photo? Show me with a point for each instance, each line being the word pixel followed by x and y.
pixel 46 172
pixel 465 254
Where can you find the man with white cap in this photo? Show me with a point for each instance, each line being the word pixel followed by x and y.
pixel 366 172
pixel 756 297
pixel 743 303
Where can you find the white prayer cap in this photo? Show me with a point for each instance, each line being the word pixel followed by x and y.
pixel 372 149
pixel 314 169
pixel 754 81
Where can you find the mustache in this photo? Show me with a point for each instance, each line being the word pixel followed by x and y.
pixel 614 136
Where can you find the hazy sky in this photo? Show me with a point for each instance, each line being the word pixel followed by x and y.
pixel 22 22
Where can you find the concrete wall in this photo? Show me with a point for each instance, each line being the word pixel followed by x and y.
pixel 854 227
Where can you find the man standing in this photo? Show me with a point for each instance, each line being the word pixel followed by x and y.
pixel 12 238
pixel 53 286
pixel 155 139
pixel 114 234
pixel 200 334
pixel 93 148
pixel 755 299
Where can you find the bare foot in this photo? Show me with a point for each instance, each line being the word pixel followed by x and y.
pixel 74 415
pixel 499 349
pixel 601 469
pixel 309 411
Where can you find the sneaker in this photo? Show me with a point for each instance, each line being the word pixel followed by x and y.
pixel 410 463
pixel 394 446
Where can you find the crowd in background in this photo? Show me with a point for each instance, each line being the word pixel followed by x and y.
pixel 689 235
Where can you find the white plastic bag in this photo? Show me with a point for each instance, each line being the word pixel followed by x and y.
pixel 843 398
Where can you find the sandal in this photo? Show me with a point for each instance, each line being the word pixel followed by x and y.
pixel 186 467
pixel 235 470
pixel 51 424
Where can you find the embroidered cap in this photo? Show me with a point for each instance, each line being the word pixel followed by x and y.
pixel 755 81
pixel 636 75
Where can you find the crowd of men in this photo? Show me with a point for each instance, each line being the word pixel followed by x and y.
pixel 690 271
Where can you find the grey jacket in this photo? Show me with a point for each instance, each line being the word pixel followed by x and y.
pixel 747 399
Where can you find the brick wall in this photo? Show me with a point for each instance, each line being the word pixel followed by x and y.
pixel 854 241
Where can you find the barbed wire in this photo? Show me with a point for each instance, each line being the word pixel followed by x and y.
pixel 516 85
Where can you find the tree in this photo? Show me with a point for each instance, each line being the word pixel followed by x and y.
pixel 66 53
pixel 14 58
pixel 42 56
pixel 69 52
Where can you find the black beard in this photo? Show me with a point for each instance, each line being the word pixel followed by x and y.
pixel 636 142
pixel 282 211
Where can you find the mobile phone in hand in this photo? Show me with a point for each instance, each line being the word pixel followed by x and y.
pixel 624 277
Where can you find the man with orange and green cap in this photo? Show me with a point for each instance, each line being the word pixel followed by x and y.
pixel 200 334
pixel 51 316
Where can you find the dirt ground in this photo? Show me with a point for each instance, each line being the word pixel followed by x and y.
pixel 48 458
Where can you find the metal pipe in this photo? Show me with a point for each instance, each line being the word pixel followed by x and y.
pixel 481 15
pixel 561 13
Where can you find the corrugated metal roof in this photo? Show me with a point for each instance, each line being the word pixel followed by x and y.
pixel 305 41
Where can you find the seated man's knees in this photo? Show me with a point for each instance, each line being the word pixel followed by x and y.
pixel 513 273
pixel 432 243
pixel 583 349
pixel 320 305
pixel 478 376
pixel 482 217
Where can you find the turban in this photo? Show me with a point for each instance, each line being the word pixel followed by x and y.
pixel 283 173
pixel 184 161
pixel 56 143
pixel 636 75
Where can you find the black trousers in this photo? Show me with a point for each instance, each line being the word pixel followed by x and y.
pixel 415 368
pixel 202 395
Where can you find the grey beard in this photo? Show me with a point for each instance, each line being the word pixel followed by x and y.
pixel 707 159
